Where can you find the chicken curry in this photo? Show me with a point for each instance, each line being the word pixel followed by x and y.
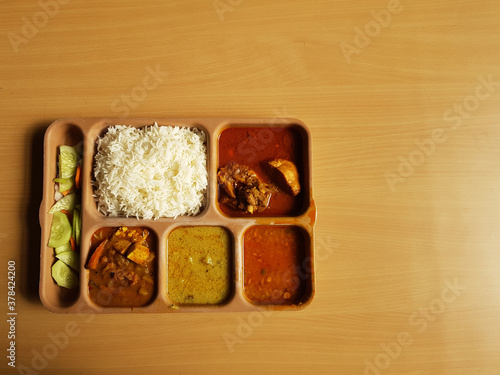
pixel 260 171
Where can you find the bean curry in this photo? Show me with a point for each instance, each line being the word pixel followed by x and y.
pixel 122 267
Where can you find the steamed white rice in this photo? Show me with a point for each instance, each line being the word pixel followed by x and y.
pixel 151 172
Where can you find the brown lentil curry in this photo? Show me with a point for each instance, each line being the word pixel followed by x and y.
pixel 122 267
pixel 274 257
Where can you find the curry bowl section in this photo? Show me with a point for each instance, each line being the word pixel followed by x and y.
pixel 240 240
pixel 263 171
pixel 150 171
pixel 122 267
pixel 200 265
pixel 54 297
pixel 277 265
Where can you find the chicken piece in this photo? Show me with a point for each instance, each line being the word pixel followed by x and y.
pixel 289 172
pixel 124 237
pixel 256 199
pixel 137 235
pixel 120 240
pixel 138 254
pixel 234 176
pixel 132 234
pixel 244 190
pixel 227 181
pixel 119 245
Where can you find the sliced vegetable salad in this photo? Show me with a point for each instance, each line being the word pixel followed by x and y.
pixel 65 231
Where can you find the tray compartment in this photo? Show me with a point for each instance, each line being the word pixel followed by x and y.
pixel 60 133
pixel 119 282
pixel 102 133
pixel 254 146
pixel 200 265
pixel 277 265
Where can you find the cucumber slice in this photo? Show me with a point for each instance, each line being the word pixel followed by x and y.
pixel 68 161
pixel 73 226
pixel 63 275
pixel 71 259
pixel 65 183
pixel 77 226
pixel 63 248
pixel 60 231
pixel 65 203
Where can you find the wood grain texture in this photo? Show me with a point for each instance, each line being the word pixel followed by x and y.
pixel 412 257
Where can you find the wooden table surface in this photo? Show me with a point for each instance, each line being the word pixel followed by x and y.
pixel 401 98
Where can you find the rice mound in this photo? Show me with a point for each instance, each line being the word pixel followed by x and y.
pixel 151 172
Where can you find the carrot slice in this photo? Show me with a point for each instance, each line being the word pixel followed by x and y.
pixel 66 192
pixel 94 259
pixel 72 242
pixel 77 176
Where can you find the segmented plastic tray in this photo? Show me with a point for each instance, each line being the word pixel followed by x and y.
pixel 71 131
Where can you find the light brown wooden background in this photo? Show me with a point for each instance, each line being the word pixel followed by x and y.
pixel 386 257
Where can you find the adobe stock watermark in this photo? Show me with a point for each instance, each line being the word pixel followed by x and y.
pixel 223 6
pixel 246 326
pixel 58 342
pixel 419 322
pixel 126 102
pixel 32 25
pixel 455 116
pixel 363 36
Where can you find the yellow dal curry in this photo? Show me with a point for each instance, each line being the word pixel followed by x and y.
pixel 199 265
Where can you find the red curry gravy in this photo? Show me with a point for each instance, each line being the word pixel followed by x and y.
pixel 255 147
pixel 275 264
